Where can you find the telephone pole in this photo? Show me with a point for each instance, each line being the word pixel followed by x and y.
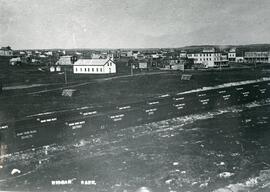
pixel 131 67
pixel 66 83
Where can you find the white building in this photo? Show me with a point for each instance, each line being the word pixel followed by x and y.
pixel 100 55
pixel 65 63
pixel 257 57
pixel 14 61
pixel 55 69
pixel 232 54
pixel 65 60
pixel 239 59
pixel 183 54
pixel 208 58
pixel 6 51
pixel 49 53
pixel 94 66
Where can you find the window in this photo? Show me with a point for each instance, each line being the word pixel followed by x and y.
pixel 76 69
pixel 100 69
pixel 97 69
pixel 81 69
pixel 85 69
pixel 88 69
pixel 93 69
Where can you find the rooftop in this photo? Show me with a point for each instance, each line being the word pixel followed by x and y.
pixel 6 48
pixel 94 62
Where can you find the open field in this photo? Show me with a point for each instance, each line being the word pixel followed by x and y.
pixel 104 90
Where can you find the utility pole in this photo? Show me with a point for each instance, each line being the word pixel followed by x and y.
pixel 131 68
pixel 66 83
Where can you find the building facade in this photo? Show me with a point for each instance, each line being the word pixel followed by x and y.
pixel 6 51
pixel 66 60
pixel 257 57
pixel 239 59
pixel 208 58
pixel 64 63
pixel 94 66
pixel 183 54
pixel 232 54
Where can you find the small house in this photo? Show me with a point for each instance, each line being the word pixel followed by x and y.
pixel 15 61
pixel 6 51
pixel 66 62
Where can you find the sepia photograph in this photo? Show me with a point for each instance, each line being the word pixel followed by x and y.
pixel 134 96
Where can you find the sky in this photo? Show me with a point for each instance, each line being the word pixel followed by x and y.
pixel 44 24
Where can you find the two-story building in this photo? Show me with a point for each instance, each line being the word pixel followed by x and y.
pixel 257 57
pixel 232 54
pixel 207 58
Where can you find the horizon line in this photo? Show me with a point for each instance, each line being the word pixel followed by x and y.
pixel 199 45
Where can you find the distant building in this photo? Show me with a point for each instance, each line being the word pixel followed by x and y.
pixel 143 64
pixel 15 61
pixel 94 66
pixel 29 53
pixel 66 60
pixel 135 54
pixel 208 50
pixel 126 54
pixel 232 54
pixel 6 52
pixel 101 55
pixel 239 59
pixel 55 69
pixel 98 56
pixel 141 56
pixel 179 64
pixel 208 58
pixel 223 62
pixel 183 54
pixel 65 63
pixel 257 57
pixel 49 53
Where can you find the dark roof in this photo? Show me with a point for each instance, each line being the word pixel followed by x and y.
pixel 8 48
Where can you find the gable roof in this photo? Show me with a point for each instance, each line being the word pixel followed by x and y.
pixel 92 62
